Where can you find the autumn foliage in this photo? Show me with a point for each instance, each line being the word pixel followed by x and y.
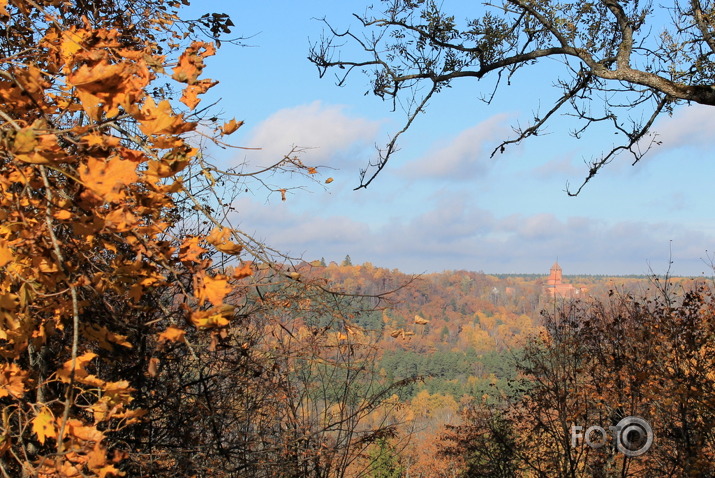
pixel 93 262
pixel 142 335
pixel 598 363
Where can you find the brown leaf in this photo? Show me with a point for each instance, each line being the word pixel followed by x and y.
pixel 153 369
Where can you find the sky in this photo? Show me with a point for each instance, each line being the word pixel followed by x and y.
pixel 442 203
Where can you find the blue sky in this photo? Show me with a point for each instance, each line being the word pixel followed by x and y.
pixel 442 203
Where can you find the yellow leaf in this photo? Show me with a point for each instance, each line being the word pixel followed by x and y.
pixel 420 320
pixel 25 141
pixel 44 425
pixel 214 317
pixel 71 43
pixel 33 158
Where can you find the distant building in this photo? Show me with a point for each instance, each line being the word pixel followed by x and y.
pixel 556 287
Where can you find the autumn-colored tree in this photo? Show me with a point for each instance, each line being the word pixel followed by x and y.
pixel 288 389
pixel 597 364
pixel 102 272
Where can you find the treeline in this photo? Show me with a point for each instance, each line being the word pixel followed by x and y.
pixel 503 371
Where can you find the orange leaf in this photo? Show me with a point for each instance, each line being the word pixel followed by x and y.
pixel 9 301
pixel 12 380
pixel 153 369
pixel 120 219
pixel 104 336
pixel 6 255
pixel 191 62
pixel 213 289
pixel 219 238
pixel 78 430
pixel 190 250
pixel 62 215
pixel 190 94
pixel 231 126
pixel 79 372
pixel 172 334
pixel 158 118
pixel 106 179
pixel 329 180
pixel 244 271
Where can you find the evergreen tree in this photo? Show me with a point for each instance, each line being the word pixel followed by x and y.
pixel 385 461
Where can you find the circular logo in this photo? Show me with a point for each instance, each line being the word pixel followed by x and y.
pixel 634 436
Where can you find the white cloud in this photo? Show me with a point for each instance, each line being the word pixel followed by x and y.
pixel 464 156
pixel 558 168
pixel 690 126
pixel 456 234
pixel 326 133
